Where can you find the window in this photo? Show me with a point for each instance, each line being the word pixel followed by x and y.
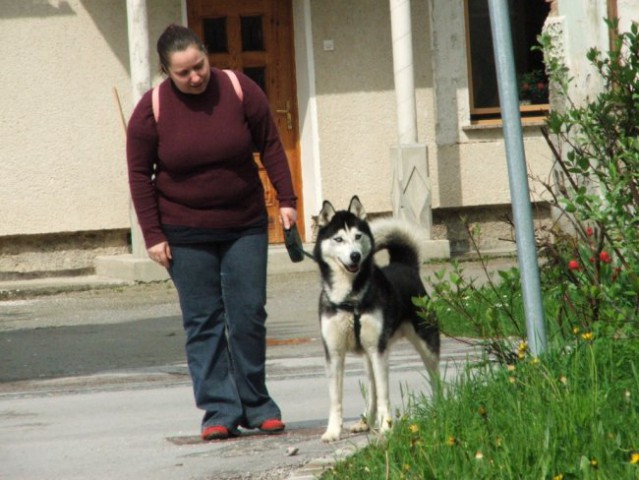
pixel 526 20
pixel 215 34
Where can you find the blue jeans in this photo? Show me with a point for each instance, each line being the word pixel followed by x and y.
pixel 222 292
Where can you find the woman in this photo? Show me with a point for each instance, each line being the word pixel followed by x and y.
pixel 200 204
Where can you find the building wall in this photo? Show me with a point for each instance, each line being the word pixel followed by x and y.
pixel 468 163
pixel 355 96
pixel 62 139
pixel 628 12
pixel 587 16
pixel 583 16
pixel 357 113
pixel 61 135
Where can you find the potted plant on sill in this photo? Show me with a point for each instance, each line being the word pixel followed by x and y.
pixel 533 88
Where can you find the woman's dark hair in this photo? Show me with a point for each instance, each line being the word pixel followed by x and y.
pixel 176 38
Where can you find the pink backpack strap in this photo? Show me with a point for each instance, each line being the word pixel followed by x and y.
pixel 155 102
pixel 155 94
pixel 236 84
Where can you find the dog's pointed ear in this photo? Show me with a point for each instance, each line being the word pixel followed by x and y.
pixel 356 208
pixel 326 214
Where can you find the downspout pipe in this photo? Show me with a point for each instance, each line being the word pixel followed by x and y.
pixel 138 33
pixel 517 175
pixel 403 70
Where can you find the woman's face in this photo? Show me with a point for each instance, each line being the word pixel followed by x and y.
pixel 189 70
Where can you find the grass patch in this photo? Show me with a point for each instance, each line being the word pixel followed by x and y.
pixel 569 414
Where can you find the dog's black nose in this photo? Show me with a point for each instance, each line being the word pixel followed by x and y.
pixel 356 257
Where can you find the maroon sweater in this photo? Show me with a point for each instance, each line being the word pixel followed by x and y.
pixel 195 167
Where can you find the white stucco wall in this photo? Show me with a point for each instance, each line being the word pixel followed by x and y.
pixel 61 137
pixel 62 141
pixel 468 163
pixel 356 108
pixel 628 11
pixel 356 100
pixel 583 16
pixel 587 16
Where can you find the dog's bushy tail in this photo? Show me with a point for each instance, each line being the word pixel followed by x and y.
pixel 401 239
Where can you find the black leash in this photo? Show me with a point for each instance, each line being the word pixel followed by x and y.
pixel 304 252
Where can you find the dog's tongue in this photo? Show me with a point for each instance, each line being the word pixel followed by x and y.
pixel 352 268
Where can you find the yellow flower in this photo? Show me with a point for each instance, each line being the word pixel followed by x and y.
pixel 451 441
pixel 563 379
pixel 587 336
pixel 575 330
pixel 534 361
pixel 479 456
pixel 414 428
pixel 594 464
pixel 511 368
pixel 558 477
pixel 521 350
pixel 512 379
pixel 634 458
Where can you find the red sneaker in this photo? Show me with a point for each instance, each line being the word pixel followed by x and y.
pixel 272 425
pixel 215 432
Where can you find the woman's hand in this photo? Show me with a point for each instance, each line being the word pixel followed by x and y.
pixel 160 253
pixel 288 216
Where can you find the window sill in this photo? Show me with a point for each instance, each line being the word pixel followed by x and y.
pixel 497 123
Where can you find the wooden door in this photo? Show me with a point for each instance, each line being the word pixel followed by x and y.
pixel 256 37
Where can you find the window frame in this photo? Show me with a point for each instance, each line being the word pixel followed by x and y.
pixel 530 113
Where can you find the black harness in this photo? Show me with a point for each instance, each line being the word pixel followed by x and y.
pixel 355 307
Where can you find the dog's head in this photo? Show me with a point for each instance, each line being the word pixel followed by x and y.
pixel 344 239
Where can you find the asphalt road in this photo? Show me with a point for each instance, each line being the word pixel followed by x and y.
pixel 128 328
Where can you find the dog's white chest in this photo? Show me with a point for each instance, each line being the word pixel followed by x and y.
pixel 340 331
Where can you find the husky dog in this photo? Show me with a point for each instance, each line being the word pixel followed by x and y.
pixel 365 307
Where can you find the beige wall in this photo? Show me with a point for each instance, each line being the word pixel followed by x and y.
pixel 355 100
pixel 62 141
pixel 61 137
pixel 468 163
pixel 357 113
pixel 586 16
pixel 628 11
pixel 357 117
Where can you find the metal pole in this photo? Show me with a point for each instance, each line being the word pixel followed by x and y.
pixel 517 176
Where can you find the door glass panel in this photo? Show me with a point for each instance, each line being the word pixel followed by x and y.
pixel 252 34
pixel 215 34
pixel 258 75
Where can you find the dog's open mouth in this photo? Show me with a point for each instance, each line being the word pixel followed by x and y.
pixel 351 267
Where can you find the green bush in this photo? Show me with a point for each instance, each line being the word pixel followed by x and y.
pixel 592 269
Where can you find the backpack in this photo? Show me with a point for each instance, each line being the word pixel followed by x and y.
pixel 155 95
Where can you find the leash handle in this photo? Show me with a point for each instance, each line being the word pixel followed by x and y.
pixel 293 245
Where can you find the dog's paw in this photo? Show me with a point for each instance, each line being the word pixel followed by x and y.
pixel 360 426
pixel 386 424
pixel 331 435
